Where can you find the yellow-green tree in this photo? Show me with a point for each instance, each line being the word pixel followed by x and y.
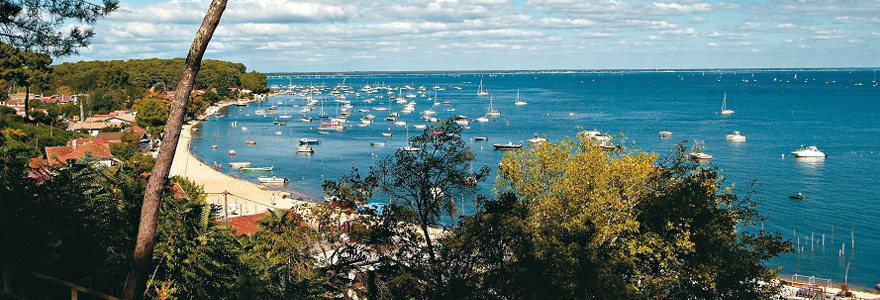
pixel 576 221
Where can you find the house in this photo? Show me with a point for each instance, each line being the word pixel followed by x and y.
pixel 116 137
pixel 95 123
pixel 57 100
pixel 77 149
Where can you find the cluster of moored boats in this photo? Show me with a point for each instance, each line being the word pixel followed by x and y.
pixel 697 151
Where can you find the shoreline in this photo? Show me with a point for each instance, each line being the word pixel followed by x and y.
pixel 215 181
pixel 241 196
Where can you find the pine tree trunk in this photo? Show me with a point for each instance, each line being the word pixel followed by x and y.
pixel 143 252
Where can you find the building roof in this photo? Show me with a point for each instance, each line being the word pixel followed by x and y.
pixel 110 137
pixel 91 125
pixel 77 148
pixel 245 225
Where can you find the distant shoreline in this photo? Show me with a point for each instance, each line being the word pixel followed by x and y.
pixel 557 71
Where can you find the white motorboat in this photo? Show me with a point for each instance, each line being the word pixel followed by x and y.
pixel 239 164
pixel 400 123
pixel 480 138
pixel 378 144
pixel 810 151
pixel 420 126
pixel 257 169
pixel 305 119
pixel 665 134
pixel 519 102
pixel 537 139
pixel 272 180
pixel 305 148
pixel 736 137
pixel 724 110
pixel 429 112
pixel 308 141
pixel 509 145
pixel 482 119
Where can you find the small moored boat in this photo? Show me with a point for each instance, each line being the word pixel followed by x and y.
pixel 307 141
pixel 537 139
pixel 305 148
pixel 378 144
pixel 257 169
pixel 736 137
pixel 799 196
pixel 665 134
pixel 509 145
pixel 480 138
pixel 239 164
pixel 272 180
pixel 810 151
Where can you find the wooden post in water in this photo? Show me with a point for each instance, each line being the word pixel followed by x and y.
pixel 832 234
pixel 812 242
pixel 853 235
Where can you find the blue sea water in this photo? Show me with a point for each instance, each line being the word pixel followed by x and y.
pixel 777 110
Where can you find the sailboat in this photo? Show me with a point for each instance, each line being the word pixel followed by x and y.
pixel 519 102
pixel 491 112
pixel 323 115
pixel 697 151
pixel 724 110
pixel 408 146
pixel 480 91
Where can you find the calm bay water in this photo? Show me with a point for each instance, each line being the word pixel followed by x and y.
pixel 778 111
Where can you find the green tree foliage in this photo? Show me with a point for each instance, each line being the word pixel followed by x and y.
pixel 350 190
pixel 31 137
pixel 143 74
pixel 574 221
pixel 75 224
pixel 256 82
pixel 23 68
pixel 36 25
pixel 152 115
pixel 284 266
pixel 197 257
pixel 431 180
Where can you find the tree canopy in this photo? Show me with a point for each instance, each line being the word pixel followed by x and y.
pixel 37 26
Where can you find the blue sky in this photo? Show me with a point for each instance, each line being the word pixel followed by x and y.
pixel 365 35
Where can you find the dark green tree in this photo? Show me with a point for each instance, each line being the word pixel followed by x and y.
pixel 37 25
pixel 24 68
pixel 256 82
pixel 152 115
pixel 431 179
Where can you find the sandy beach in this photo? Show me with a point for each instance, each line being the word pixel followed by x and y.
pixel 243 196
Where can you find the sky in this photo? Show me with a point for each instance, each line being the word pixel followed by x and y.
pixel 416 35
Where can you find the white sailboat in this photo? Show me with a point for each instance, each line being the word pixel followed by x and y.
pixel 724 110
pixel 408 146
pixel 480 91
pixel 491 112
pixel 697 152
pixel 519 102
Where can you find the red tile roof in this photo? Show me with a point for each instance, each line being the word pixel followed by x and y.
pixel 245 225
pixel 77 148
